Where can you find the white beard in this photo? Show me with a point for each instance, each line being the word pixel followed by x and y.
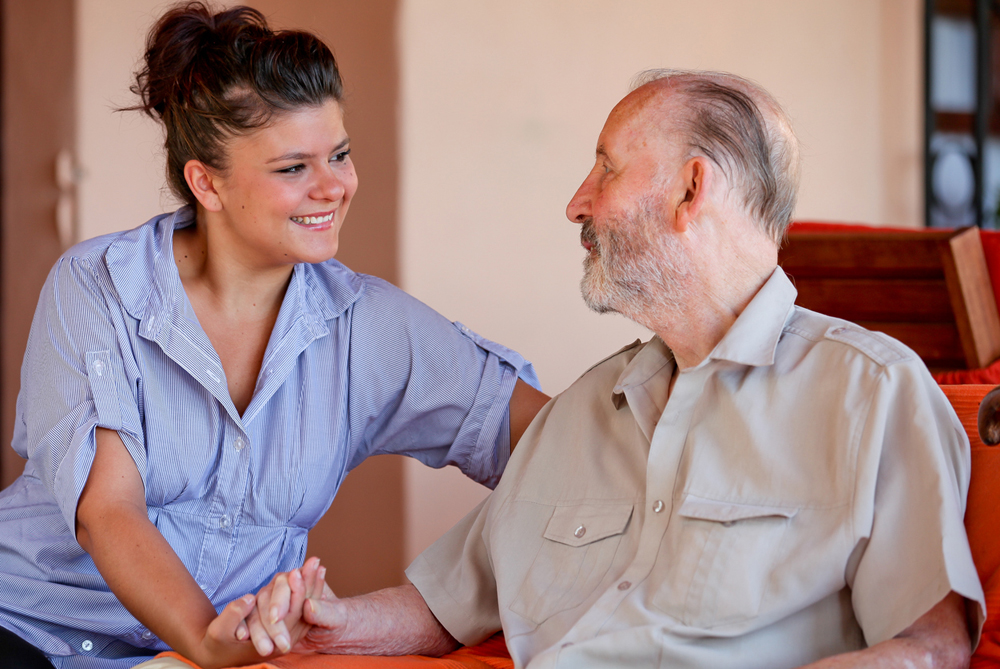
pixel 632 270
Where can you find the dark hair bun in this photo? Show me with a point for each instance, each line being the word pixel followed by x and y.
pixel 210 76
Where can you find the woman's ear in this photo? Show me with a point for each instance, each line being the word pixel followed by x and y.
pixel 696 178
pixel 202 182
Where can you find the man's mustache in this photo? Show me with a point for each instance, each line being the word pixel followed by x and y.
pixel 587 234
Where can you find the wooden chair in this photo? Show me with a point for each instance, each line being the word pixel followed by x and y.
pixel 929 289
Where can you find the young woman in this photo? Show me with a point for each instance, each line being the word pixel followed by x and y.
pixel 195 390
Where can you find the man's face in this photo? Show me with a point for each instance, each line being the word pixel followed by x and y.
pixel 633 261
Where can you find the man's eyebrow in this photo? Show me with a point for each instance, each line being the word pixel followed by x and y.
pixel 302 155
pixel 601 152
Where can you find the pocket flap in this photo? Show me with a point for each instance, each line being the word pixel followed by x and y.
pixel 726 512
pixel 584 523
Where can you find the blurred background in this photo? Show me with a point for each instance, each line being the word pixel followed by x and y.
pixel 472 124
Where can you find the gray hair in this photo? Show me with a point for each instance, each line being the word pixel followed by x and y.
pixel 743 130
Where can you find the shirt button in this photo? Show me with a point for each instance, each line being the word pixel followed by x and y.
pixel 239 444
pixel 658 506
pixel 580 531
pixel 224 522
pixel 624 585
pixel 147 635
pixel 87 645
pixel 728 523
pixel 203 587
pixel 98 368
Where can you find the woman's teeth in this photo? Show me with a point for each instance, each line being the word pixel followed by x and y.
pixel 313 220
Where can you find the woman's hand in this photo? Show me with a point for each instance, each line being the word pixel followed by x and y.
pixel 277 620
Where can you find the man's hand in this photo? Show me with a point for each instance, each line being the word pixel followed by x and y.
pixel 277 620
pixel 939 639
pixel 394 621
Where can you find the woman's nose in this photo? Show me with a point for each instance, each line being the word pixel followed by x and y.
pixel 329 186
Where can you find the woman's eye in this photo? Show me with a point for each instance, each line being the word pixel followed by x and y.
pixel 341 157
pixel 293 169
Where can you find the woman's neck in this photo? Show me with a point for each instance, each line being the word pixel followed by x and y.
pixel 212 270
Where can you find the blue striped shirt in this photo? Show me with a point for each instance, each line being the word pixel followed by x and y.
pixel 354 367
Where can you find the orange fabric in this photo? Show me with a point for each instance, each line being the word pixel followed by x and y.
pixel 982 517
pixel 490 654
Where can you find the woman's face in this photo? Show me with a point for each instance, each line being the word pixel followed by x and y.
pixel 287 189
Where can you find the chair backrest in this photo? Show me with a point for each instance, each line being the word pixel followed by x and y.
pixel 929 289
pixel 982 516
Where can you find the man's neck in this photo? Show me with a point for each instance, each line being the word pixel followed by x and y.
pixel 714 297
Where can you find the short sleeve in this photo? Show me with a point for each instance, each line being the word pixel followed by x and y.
pixel 914 464
pixel 423 386
pixel 455 578
pixel 72 381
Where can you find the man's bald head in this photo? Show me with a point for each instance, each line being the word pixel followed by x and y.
pixel 738 126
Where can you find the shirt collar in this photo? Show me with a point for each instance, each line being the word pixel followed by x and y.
pixel 142 268
pixel 753 338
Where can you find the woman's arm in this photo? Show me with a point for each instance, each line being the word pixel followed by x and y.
pixel 143 571
pixel 525 402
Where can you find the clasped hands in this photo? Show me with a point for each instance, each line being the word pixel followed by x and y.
pixel 296 611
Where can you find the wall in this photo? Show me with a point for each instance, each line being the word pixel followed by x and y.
pixel 502 105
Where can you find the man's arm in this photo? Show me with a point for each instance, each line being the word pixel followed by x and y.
pixel 394 621
pixel 939 639
pixel 525 402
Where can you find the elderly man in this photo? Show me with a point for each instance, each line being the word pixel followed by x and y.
pixel 757 486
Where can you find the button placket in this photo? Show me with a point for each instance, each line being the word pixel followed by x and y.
pixel 665 453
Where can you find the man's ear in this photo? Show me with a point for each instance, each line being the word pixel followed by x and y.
pixel 696 179
pixel 201 180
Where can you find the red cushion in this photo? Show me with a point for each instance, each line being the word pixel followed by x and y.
pixel 982 516
pixel 984 375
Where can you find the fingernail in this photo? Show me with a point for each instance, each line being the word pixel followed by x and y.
pixel 241 633
pixel 274 614
pixel 283 644
pixel 247 599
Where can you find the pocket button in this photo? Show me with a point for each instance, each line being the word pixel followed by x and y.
pixel 580 531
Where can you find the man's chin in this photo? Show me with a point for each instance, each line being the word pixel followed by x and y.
pixel 596 300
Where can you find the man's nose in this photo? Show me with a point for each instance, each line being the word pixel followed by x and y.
pixel 578 210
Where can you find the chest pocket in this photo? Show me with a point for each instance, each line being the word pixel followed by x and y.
pixel 578 547
pixel 719 557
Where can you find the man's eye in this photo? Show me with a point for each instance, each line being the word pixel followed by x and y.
pixel 294 169
pixel 341 157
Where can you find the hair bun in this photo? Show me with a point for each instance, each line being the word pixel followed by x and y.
pixel 209 76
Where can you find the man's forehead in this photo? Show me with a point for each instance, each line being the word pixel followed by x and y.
pixel 646 115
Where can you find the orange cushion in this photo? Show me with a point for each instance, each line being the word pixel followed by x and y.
pixel 982 516
pixel 490 654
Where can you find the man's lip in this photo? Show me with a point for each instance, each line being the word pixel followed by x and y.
pixel 587 245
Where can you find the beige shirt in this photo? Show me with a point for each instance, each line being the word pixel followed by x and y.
pixel 800 494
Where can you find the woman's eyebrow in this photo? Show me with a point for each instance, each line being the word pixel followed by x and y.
pixel 302 155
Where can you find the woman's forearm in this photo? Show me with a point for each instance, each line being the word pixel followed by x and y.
pixel 141 568
pixel 394 621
